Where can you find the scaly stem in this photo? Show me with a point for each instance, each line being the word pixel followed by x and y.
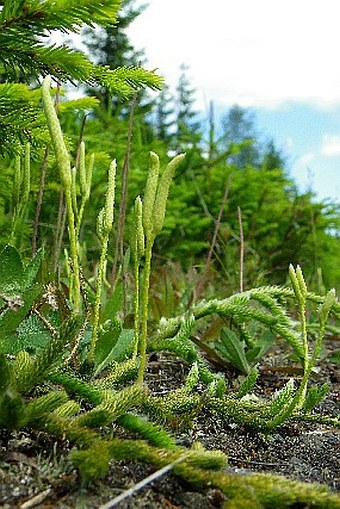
pixel 306 365
pixel 101 276
pixel 104 227
pixel 145 308
pixel 138 251
pixel 304 335
pixel 75 287
pixel 137 303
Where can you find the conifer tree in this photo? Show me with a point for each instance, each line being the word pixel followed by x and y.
pixel 187 124
pixel 26 53
pixel 110 46
pixel 164 115
pixel 238 126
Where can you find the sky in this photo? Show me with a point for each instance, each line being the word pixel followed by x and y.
pixel 280 59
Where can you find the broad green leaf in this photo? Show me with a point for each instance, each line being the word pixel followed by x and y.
pixel 12 410
pixel 14 276
pixel 121 351
pixel 114 304
pixel 232 349
pixel 11 271
pixel 33 334
pixel 263 344
pixel 32 268
pixel 106 341
pixel 11 318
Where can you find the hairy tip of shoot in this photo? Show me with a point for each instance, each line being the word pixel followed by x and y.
pixel 163 192
pixel 100 224
pixel 301 281
pixel 110 197
pixel 327 305
pixel 60 150
pixel 294 281
pixel 150 193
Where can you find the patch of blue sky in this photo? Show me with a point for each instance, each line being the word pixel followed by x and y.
pixel 310 138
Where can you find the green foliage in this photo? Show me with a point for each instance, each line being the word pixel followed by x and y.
pixel 290 402
pixel 15 276
pixel 20 118
pixel 238 127
pixel 180 406
pixel 71 361
pixel 155 434
pixel 29 373
pixel 24 56
pixel 18 294
pixel 57 414
pixel 314 395
pixel 110 47
pixel 187 125
pixel 248 383
pixel 120 345
pixel 236 352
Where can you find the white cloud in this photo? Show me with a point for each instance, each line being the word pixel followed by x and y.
pixel 253 53
pixel 306 159
pixel 330 145
pixel 288 144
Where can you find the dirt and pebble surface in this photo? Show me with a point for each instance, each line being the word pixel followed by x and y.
pixel 35 472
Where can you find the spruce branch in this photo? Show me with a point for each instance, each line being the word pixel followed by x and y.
pixel 20 119
pixel 24 52
pixel 64 15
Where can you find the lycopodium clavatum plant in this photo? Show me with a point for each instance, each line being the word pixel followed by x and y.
pixel 152 211
pixel 104 228
pixel 69 369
